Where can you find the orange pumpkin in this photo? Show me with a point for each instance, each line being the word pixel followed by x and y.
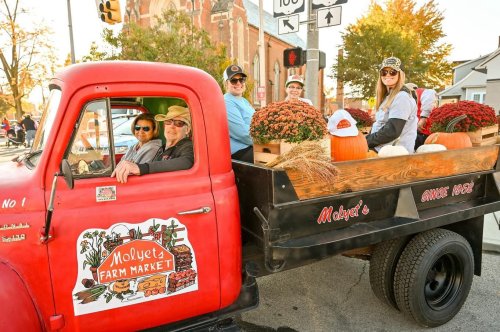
pixel 348 148
pixel 451 140
pixel 458 140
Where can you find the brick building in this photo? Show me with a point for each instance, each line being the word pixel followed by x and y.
pixel 236 24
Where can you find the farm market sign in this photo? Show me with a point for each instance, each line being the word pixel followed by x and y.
pixel 135 259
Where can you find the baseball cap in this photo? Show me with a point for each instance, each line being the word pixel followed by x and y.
pixel 342 124
pixel 232 70
pixel 294 78
pixel 391 62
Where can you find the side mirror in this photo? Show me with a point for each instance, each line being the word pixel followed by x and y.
pixel 66 172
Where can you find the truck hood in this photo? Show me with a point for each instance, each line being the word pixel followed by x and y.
pixel 20 189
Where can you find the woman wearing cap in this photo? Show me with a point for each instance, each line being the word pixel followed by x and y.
pixel 294 86
pixel 239 114
pixel 396 115
pixel 145 129
pixel 178 154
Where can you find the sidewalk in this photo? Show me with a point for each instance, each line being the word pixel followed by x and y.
pixel 491 232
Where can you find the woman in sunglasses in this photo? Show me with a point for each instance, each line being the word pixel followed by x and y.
pixel 239 114
pixel 396 110
pixel 145 129
pixel 178 154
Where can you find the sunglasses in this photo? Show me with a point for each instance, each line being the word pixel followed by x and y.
pixel 236 80
pixel 391 72
pixel 145 129
pixel 177 123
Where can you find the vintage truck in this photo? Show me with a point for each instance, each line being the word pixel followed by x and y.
pixel 182 250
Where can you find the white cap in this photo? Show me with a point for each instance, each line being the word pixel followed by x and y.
pixel 296 79
pixel 342 124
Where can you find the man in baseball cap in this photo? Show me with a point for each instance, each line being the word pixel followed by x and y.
pixel 233 70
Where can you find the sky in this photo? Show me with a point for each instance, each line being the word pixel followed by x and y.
pixel 471 27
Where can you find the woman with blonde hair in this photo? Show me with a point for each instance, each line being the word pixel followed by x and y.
pixel 396 110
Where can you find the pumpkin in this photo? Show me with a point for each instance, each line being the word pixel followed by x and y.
pixel 451 140
pixel 348 148
pixel 393 150
pixel 430 148
pixel 371 154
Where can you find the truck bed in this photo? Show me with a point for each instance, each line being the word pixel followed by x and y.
pixel 292 218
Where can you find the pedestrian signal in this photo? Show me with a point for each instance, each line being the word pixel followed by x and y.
pixel 109 11
pixel 293 57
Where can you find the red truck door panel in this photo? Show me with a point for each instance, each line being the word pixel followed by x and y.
pixel 148 246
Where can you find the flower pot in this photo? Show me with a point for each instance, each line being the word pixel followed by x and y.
pixel 484 136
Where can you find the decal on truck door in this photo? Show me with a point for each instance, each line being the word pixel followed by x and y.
pixel 133 263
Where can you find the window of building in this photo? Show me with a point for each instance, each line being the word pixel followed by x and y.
pixel 241 42
pixel 478 97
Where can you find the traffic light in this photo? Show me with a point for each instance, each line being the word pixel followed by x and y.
pixel 293 57
pixel 109 11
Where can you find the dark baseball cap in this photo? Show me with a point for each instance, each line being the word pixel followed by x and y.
pixel 232 70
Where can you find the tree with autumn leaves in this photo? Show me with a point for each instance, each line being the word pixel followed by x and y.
pixel 398 29
pixel 173 39
pixel 25 54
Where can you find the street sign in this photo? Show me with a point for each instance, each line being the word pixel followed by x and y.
pixel 261 93
pixel 327 17
pixel 287 7
pixel 326 3
pixel 288 24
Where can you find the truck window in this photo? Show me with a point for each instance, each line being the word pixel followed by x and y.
pixel 89 155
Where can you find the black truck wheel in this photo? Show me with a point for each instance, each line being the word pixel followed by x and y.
pixel 433 276
pixel 382 267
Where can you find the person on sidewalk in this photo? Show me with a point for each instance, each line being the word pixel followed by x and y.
pixel 29 127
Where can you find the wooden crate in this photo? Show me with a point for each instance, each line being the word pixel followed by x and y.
pixel 484 136
pixel 365 130
pixel 264 153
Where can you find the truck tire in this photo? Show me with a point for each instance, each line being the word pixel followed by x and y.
pixel 383 266
pixel 433 276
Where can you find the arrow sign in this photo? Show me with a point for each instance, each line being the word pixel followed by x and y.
pixel 316 4
pixel 328 17
pixel 288 24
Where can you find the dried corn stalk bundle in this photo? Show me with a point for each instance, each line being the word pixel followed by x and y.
pixel 308 158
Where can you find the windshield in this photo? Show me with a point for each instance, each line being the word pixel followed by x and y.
pixel 46 124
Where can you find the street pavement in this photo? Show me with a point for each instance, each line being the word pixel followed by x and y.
pixel 8 153
pixel 335 295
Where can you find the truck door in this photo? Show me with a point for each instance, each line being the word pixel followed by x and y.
pixel 135 255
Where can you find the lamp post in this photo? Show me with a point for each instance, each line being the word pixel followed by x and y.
pixel 70 26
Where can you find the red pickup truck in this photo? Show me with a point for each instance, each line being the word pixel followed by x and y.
pixel 80 251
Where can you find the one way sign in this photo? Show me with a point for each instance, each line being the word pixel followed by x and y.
pixel 327 17
pixel 288 24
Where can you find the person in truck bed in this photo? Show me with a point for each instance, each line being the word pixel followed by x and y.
pixel 145 129
pixel 178 154
pixel 239 114
pixel 396 110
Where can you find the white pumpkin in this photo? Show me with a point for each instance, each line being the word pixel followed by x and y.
pixel 430 148
pixel 392 150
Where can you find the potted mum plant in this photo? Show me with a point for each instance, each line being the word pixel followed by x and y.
pixel 364 121
pixel 278 124
pixel 480 122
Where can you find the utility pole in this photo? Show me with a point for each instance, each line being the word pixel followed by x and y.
pixel 312 68
pixel 70 26
pixel 262 54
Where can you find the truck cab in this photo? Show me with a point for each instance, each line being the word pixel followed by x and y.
pixel 164 246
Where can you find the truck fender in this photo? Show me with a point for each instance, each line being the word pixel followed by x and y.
pixel 18 310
